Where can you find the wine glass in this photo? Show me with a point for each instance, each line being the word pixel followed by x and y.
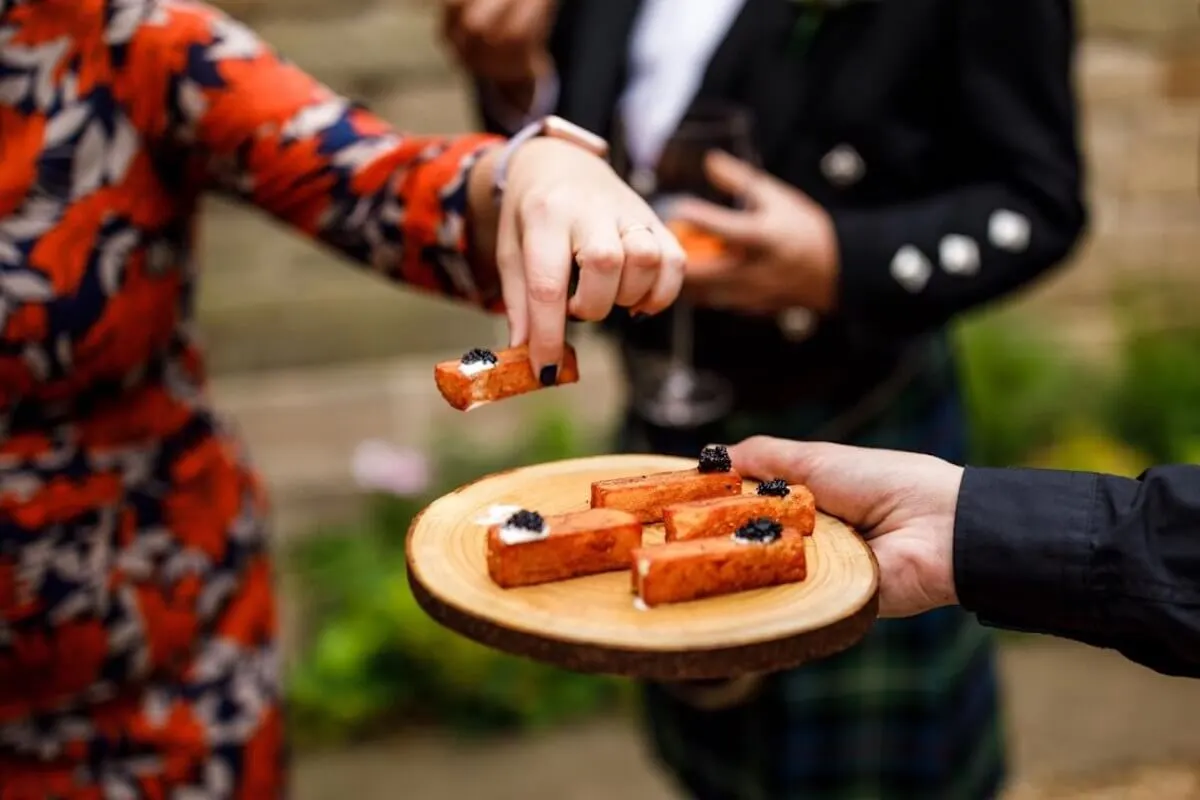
pixel 672 392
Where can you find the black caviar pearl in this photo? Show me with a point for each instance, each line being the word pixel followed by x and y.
pixel 526 521
pixel 761 530
pixel 774 488
pixel 479 355
pixel 715 458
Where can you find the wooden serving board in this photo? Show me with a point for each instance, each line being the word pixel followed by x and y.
pixel 591 625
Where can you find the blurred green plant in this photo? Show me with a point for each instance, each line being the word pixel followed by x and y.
pixel 1021 392
pixel 376 659
pixel 1154 403
pixel 1155 406
pixel 1031 401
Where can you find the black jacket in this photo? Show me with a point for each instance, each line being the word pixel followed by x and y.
pixel 1109 561
pixel 956 117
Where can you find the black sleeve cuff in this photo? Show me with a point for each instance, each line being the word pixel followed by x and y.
pixel 1023 550
pixel 890 278
pixel 909 268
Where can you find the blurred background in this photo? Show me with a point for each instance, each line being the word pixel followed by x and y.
pixel 329 376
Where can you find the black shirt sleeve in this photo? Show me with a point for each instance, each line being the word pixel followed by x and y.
pixel 1021 211
pixel 1112 562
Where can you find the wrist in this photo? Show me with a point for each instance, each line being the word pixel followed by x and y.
pixel 944 574
pixel 809 249
pixel 945 591
pixel 488 182
pixel 550 135
pixel 483 211
pixel 824 262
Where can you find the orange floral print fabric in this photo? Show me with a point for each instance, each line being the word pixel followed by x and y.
pixel 138 652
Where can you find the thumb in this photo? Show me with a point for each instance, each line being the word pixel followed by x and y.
pixel 736 177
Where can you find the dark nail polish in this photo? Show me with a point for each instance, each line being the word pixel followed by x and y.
pixel 549 375
pixel 640 316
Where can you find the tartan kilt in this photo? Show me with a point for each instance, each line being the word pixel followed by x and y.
pixel 912 711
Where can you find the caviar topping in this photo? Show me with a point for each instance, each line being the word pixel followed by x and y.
pixel 715 458
pixel 526 521
pixel 774 488
pixel 761 530
pixel 478 355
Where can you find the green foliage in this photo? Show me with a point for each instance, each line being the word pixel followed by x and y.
pixel 1155 406
pixel 1030 401
pixel 377 659
pixel 1021 392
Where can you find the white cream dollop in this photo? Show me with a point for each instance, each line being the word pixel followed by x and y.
pixel 512 535
pixel 475 367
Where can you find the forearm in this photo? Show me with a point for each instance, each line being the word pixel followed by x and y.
pixel 449 225
pixel 416 210
pixel 1109 561
pixel 413 208
pixel 913 267
pixel 483 219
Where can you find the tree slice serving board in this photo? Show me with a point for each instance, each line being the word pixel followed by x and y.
pixel 590 624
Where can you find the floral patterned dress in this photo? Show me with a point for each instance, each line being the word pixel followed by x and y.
pixel 137 629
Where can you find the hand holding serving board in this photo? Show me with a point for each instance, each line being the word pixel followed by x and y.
pixel 816 580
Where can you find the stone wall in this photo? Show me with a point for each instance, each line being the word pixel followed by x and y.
pixel 1139 84
pixel 282 317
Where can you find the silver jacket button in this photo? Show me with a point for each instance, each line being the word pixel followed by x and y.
pixel 796 324
pixel 1009 230
pixel 911 269
pixel 843 166
pixel 959 254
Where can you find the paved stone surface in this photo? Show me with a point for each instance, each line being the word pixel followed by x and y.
pixel 1081 720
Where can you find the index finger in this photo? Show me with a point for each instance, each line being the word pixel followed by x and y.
pixel 546 245
pixel 705 218
pixel 710 270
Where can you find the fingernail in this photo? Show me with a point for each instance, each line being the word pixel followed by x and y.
pixel 640 316
pixel 549 375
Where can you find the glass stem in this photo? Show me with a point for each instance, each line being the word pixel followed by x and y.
pixel 681 335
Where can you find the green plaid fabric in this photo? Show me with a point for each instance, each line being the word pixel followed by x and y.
pixel 913 711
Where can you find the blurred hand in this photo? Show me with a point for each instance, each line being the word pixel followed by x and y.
pixel 563 205
pixel 782 250
pixel 902 503
pixel 502 41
